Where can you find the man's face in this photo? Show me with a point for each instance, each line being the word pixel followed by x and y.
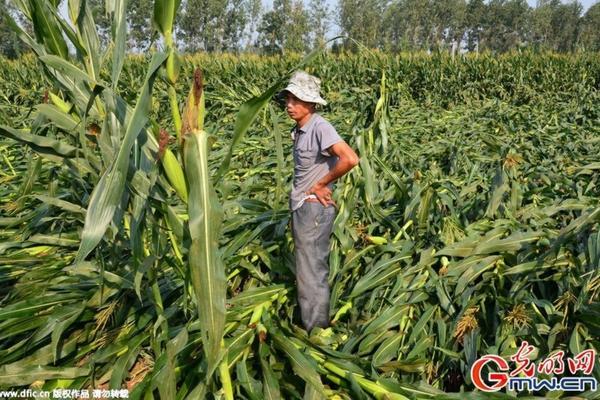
pixel 296 108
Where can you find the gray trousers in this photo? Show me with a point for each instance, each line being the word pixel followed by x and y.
pixel 311 228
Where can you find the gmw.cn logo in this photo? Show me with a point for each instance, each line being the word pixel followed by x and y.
pixel 523 376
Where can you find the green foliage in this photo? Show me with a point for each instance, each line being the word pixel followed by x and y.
pixel 212 25
pixel 11 47
pixel 590 34
pixel 285 28
pixel 471 223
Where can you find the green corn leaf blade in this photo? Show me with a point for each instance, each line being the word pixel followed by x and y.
pixel 409 366
pixel 107 194
pixel 499 188
pixel 357 391
pixel 62 120
pixel 400 186
pixel 69 76
pixel 381 273
pixel 386 319
pixel 387 350
pixel 58 315
pixel 427 200
pixel 419 391
pixel 271 389
pixel 25 375
pixel 47 29
pixel 471 344
pixel 164 13
pixel 464 248
pixel 279 153
pixel 166 376
pixel 46 355
pixel 417 331
pixel 511 244
pixel 449 353
pixel 206 266
pixel 62 204
pixel 53 240
pixel 41 144
pixel 254 296
pixel 73 37
pixel 22 34
pixel 61 325
pixel 119 368
pixel 199 392
pixel 301 365
pixel 14 327
pixel 119 37
pixel 421 349
pixel 251 386
pixel 473 272
pixel 87 33
pixel 576 342
pixel 238 345
pixel 372 340
pixel 67 68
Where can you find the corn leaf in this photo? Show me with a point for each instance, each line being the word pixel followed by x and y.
pixel 206 266
pixel 107 194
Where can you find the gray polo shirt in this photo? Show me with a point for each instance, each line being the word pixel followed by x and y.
pixel 312 160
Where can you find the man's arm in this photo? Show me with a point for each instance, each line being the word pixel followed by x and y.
pixel 347 159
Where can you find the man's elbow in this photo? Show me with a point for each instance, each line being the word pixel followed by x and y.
pixel 354 160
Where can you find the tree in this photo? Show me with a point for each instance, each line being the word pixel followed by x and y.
pixel 10 45
pixel 505 25
pixel 139 20
pixel 589 34
pixel 271 37
pixel 318 14
pixel 201 24
pixel 476 10
pixel 555 26
pixel 361 20
pixel 297 31
pixel 566 26
pixel 406 25
pixel 213 25
pixel 253 12
pixel 284 28
pixel 101 18
pixel 457 24
pixel 441 13
pixel 234 22
pixel 541 22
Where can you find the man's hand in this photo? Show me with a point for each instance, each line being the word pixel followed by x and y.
pixel 347 159
pixel 323 194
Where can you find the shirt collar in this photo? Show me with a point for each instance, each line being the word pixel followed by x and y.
pixel 306 126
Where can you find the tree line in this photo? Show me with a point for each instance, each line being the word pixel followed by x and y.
pixel 390 25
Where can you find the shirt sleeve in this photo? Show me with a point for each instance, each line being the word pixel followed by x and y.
pixel 327 136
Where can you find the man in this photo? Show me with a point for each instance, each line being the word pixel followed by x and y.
pixel 320 157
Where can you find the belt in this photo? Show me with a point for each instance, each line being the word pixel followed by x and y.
pixel 317 201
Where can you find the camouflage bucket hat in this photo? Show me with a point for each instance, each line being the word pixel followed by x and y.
pixel 305 87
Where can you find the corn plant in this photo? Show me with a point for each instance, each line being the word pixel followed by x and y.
pixel 471 224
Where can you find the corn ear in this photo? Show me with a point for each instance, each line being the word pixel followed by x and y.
pixel 173 66
pixel 175 174
pixel 379 240
pixel 60 103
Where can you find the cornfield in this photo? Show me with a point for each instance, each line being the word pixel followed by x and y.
pixel 144 220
